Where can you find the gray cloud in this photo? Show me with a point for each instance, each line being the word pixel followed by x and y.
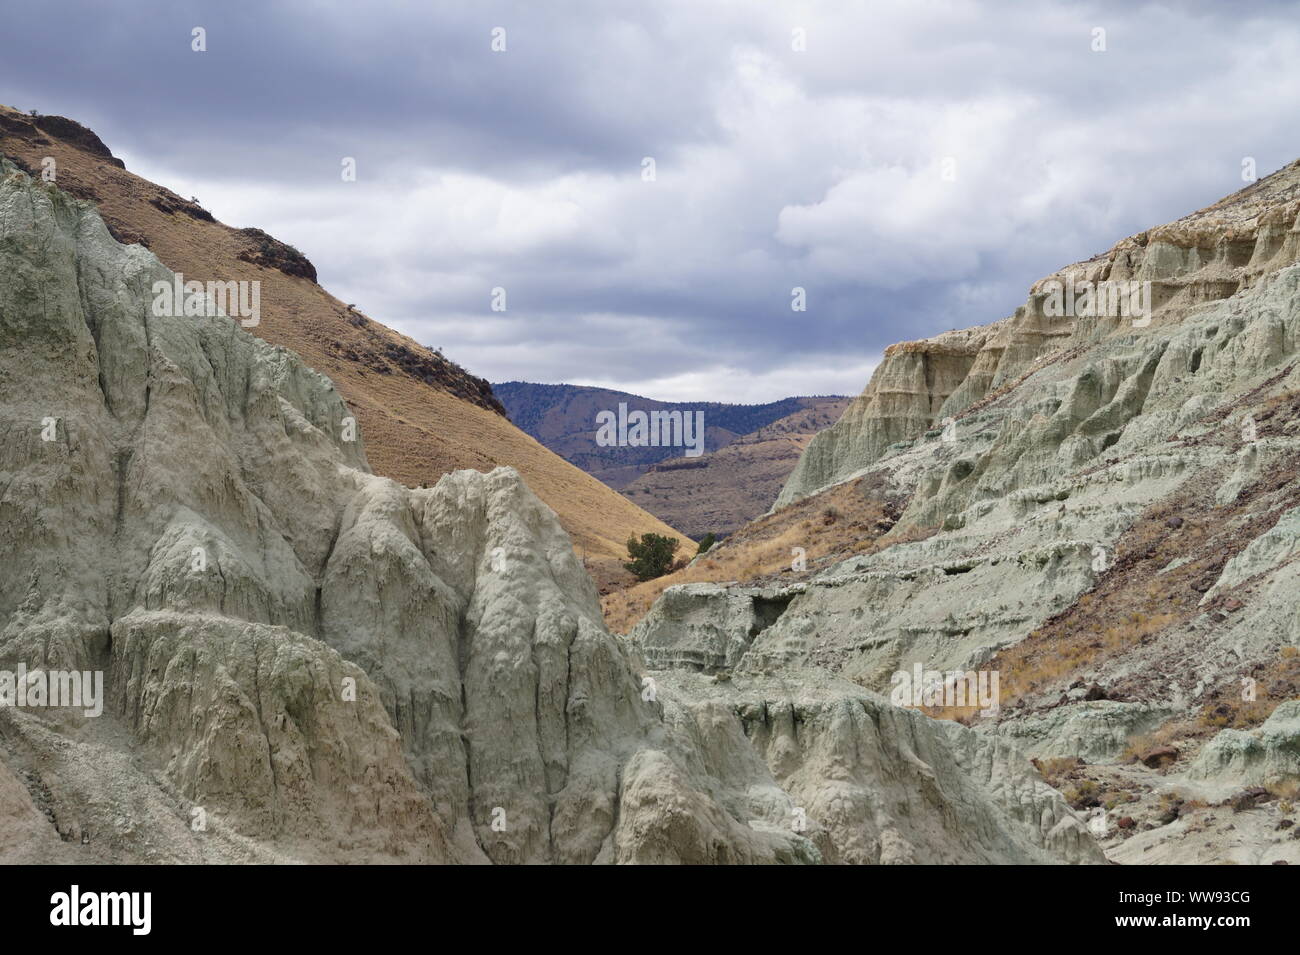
pixel 775 168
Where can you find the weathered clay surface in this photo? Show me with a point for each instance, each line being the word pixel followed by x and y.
pixel 1038 475
pixel 875 783
pixel 1032 452
pixel 307 662
pixel 1257 757
pixel 1097 730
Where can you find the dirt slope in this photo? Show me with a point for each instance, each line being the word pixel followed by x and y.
pixel 720 492
pixel 793 544
pixel 420 415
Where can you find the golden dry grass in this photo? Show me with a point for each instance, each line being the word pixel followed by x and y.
pixel 848 519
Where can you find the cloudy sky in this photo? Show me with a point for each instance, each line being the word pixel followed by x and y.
pixel 774 167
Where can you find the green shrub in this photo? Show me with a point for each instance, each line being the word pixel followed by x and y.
pixel 651 556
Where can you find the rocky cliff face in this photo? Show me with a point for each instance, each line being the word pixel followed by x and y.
pixel 305 661
pixel 1205 257
pixel 1050 457
pixel 1101 510
pixel 902 399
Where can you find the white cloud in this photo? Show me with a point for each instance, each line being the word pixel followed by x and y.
pixel 829 376
pixel 775 168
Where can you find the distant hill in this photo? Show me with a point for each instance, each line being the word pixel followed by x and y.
pixel 564 419
pixel 723 491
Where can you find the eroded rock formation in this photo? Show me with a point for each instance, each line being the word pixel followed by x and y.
pixel 1101 508
pixel 305 661
pixel 1208 256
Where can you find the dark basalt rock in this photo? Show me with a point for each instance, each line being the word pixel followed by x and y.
pixel 270 252
pixel 70 131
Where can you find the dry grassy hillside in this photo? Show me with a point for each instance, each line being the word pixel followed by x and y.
pixel 720 492
pixel 421 415
pixel 855 517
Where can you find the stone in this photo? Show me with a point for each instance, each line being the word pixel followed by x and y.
pixel 1159 756
pixel 1098 731
pixel 1261 757
pixel 326 666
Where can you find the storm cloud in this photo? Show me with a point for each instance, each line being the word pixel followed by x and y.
pixel 914 166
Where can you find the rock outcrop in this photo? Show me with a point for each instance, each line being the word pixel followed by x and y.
pixel 904 397
pixel 1063 432
pixel 1259 757
pixel 870 782
pixel 1208 256
pixel 304 661
pixel 1100 510
pixel 1094 730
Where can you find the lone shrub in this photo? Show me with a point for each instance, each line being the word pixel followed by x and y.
pixel 651 556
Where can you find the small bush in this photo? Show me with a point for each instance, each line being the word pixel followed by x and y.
pixel 1085 795
pixel 651 556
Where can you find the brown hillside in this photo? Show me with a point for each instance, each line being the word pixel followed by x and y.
pixel 851 518
pixel 421 415
pixel 721 492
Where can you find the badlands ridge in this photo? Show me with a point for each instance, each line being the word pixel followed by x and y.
pixel 322 664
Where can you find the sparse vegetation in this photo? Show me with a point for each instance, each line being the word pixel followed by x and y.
pixel 652 555
pixel 1054 768
pixel 1138 744
pixel 1287 793
pixel 766 548
pixel 1276 681
pixel 1085 794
